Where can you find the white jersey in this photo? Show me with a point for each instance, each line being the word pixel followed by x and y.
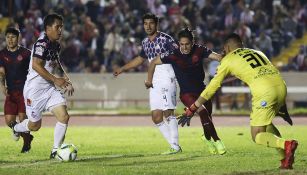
pixel 162 43
pixel 46 50
pixel 40 94
pixel 163 95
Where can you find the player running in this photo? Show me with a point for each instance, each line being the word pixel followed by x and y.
pixel 268 91
pixel 14 63
pixel 187 62
pixel 40 90
pixel 162 98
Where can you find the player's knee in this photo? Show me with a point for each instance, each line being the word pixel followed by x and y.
pixel 157 117
pixel 34 127
pixel 64 119
pixel 168 113
pixel 9 119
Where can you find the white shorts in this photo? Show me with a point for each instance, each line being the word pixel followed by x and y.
pixel 40 100
pixel 163 96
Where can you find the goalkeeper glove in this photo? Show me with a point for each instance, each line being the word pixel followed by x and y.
pixel 186 117
pixel 183 119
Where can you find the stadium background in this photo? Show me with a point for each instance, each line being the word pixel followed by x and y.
pixel 101 35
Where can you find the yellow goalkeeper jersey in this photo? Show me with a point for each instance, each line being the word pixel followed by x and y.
pixel 250 66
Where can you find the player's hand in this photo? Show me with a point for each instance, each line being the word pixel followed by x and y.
pixel 190 111
pixel 148 84
pixel 183 119
pixel 61 82
pixel 69 89
pixel 4 90
pixel 117 71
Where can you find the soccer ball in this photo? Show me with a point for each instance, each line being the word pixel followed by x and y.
pixel 67 152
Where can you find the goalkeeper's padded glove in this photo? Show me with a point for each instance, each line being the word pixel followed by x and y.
pixel 186 117
pixel 183 119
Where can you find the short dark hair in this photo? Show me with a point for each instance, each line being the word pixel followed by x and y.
pixel 235 38
pixel 50 19
pixel 187 33
pixel 12 30
pixel 150 16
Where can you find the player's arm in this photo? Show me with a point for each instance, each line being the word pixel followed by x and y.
pixel 215 56
pixel 38 65
pixel 135 62
pixel 2 81
pixel 210 90
pixel 69 88
pixel 151 70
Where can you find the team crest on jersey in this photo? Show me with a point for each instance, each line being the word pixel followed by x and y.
pixel 39 50
pixel 19 57
pixel 263 103
pixel 195 59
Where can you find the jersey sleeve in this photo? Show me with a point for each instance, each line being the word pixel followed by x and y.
pixel 216 82
pixel 39 48
pixel 142 53
pixel 171 44
pixel 167 57
pixel 206 52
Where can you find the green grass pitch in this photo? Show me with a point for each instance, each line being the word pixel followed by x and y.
pixel 135 150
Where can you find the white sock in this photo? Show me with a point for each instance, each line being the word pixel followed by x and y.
pixel 22 127
pixel 59 134
pixel 173 128
pixel 163 127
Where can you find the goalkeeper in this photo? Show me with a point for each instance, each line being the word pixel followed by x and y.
pixel 187 62
pixel 268 91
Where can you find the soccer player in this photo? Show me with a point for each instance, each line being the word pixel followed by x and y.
pixel 40 90
pixel 187 62
pixel 162 98
pixel 268 91
pixel 14 63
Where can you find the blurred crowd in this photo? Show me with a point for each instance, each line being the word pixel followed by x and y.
pixel 298 62
pixel 100 35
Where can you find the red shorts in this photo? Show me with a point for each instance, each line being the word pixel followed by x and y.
pixel 189 98
pixel 14 103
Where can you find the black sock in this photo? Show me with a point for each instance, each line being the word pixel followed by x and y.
pixel 208 127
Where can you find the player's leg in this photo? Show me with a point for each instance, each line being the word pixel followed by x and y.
pixel 24 127
pixel 283 113
pixel 10 112
pixel 27 137
pixel 155 100
pixel 60 128
pixel 57 105
pixel 157 118
pixel 169 102
pixel 206 121
pixel 260 136
pixel 173 128
pixel 11 121
pixel 272 129
pixel 265 108
pixel 209 128
pixel 34 109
